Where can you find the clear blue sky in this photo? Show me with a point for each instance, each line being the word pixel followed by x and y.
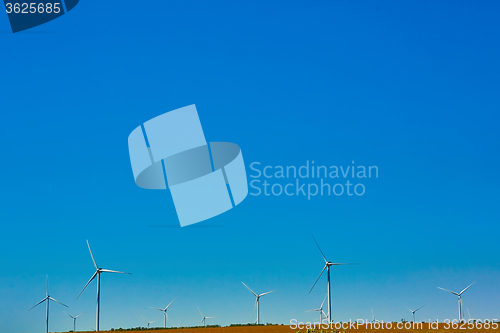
pixel 411 87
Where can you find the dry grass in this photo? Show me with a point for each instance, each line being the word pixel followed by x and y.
pixel 287 329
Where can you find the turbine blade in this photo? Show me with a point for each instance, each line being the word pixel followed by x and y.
pixel 43 300
pixel 420 308
pixel 454 293
pixel 460 293
pixel 324 299
pixel 69 314
pixel 156 308
pixel 170 303
pixel 410 310
pixel 52 299
pixel 46 285
pixel 81 314
pixel 254 307
pixel 318 278
pixel 250 290
pixel 319 249
pixel 200 312
pixel 313 310
pixel 267 293
pixel 93 276
pixel 93 260
pixel 110 271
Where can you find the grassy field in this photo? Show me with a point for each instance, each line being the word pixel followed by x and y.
pixel 286 329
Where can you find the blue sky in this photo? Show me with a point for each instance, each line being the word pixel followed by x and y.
pixel 409 87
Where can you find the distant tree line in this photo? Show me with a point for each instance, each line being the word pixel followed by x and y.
pixel 159 328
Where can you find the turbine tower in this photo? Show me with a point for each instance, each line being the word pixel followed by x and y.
pixel 47 299
pixel 257 301
pixel 165 316
pixel 413 311
pixel 460 311
pixel 328 264
pixel 203 317
pixel 97 273
pixel 74 319
pixel 321 312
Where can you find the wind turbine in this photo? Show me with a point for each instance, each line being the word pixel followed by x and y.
pixel 47 299
pixel 74 319
pixel 413 311
pixel 321 312
pixel 97 273
pixel 257 301
pixel 147 322
pixel 203 317
pixel 328 264
pixel 460 311
pixel 165 317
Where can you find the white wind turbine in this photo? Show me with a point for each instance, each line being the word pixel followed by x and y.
pixel 97 273
pixel 328 264
pixel 460 311
pixel 165 316
pixel 47 299
pixel 320 310
pixel 203 317
pixel 413 311
pixel 74 319
pixel 147 322
pixel 257 301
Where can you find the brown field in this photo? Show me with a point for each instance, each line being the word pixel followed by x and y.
pixel 287 329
